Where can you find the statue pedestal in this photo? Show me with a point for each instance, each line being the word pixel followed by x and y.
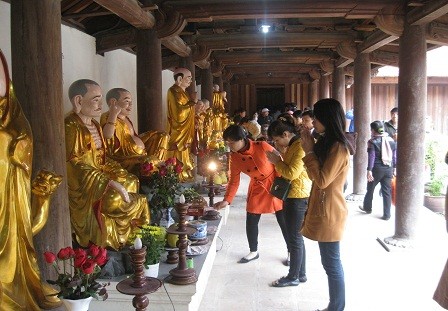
pixel 184 297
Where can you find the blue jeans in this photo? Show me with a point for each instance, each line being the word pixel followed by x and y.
pixel 294 211
pixel 331 261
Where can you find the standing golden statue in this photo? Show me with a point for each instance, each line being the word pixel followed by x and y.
pixel 219 120
pixel 123 143
pixel 181 120
pixel 104 205
pixel 20 216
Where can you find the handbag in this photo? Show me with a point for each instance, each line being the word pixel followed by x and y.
pixel 280 188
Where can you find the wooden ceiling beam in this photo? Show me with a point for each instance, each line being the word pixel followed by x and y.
pixel 299 79
pixel 430 11
pixel 130 11
pixel 259 40
pixel 265 68
pixel 376 40
pixel 116 40
pixel 194 11
pixel 271 57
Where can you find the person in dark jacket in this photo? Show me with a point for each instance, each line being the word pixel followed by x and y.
pixel 381 168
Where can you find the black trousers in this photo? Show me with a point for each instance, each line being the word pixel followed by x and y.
pixel 294 212
pixel 252 221
pixel 382 175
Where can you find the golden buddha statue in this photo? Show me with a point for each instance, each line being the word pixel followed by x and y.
pixel 21 216
pixel 181 118
pixel 123 143
pixel 104 205
pixel 207 115
pixel 219 119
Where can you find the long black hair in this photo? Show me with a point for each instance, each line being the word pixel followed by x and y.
pixel 330 113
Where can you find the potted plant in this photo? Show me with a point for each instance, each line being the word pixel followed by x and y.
pixel 434 198
pixel 154 238
pixel 77 271
pixel 163 184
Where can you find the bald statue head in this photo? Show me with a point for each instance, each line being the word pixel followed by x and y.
pixel 182 77
pixel 215 87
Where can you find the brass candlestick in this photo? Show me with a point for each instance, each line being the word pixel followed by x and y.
pixel 182 275
pixel 139 285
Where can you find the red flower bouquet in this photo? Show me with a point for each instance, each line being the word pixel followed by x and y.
pixel 80 269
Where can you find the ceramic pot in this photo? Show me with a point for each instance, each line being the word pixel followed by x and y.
pixel 201 229
pixel 76 305
pixel 152 271
pixel 166 220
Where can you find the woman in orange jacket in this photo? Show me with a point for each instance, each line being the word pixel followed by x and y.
pixel 249 157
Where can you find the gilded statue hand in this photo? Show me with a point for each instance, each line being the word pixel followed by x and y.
pixel 45 183
pixel 120 189
pixel 114 110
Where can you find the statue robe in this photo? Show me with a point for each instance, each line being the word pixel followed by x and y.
pixel 181 118
pixel 123 148
pixel 97 212
pixel 20 285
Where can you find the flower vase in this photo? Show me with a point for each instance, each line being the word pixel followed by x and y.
pixel 77 305
pixel 167 220
pixel 152 271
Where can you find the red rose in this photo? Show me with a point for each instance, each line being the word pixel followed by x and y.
pixel 94 250
pixel 80 257
pixel 65 253
pixel 163 171
pixel 100 260
pixel 178 168
pixel 88 266
pixel 147 168
pixel 170 161
pixel 49 257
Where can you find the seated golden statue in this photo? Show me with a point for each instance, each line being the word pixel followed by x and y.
pixel 123 143
pixel 104 205
pixel 21 216
pixel 181 121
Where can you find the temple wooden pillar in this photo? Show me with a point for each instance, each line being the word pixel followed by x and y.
pixel 324 87
pixel 412 90
pixel 151 112
pixel 338 85
pixel 207 84
pixel 362 100
pixel 37 76
pixel 229 107
pixel 313 92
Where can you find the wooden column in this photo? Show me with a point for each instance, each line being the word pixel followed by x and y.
pixel 362 99
pixel 207 84
pixel 324 87
pixel 151 111
pixel 37 76
pixel 412 86
pixel 236 99
pixel 313 92
pixel 229 107
pixel 187 62
pixel 338 85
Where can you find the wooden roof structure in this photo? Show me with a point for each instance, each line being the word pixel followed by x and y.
pixel 306 38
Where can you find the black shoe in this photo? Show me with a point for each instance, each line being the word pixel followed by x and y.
pixel 286 262
pixel 303 279
pixel 285 281
pixel 385 217
pixel 364 210
pixel 245 260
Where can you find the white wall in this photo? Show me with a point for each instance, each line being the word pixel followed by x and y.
pixel 80 61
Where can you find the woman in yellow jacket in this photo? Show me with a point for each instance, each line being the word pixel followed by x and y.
pixel 327 164
pixel 291 167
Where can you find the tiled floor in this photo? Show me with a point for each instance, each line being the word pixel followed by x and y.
pixel 402 279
